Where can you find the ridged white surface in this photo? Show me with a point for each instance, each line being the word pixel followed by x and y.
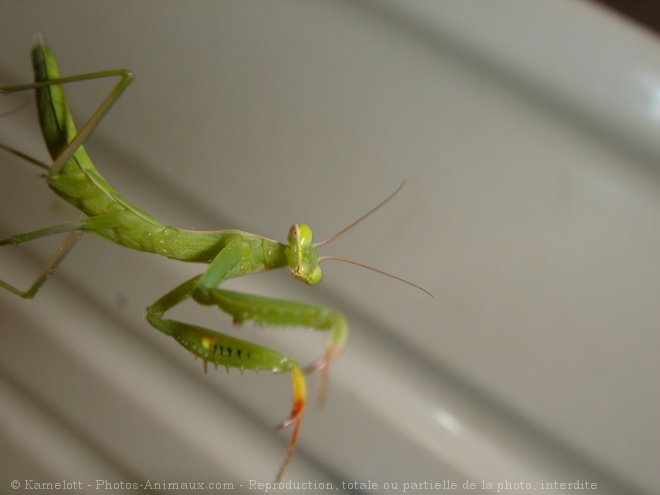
pixel 527 134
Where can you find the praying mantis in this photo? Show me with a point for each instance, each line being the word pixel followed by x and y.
pixel 228 253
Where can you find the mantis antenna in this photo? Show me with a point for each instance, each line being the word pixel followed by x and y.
pixel 350 226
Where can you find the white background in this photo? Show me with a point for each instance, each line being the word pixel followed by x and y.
pixel 527 136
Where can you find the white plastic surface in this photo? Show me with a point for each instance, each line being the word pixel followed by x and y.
pixel 527 133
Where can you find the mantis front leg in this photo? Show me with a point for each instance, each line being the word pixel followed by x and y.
pixel 219 349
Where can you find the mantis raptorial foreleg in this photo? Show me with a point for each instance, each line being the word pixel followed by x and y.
pixel 228 253
pixel 218 349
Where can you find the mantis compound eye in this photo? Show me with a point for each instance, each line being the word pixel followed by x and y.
pixel 316 276
pixel 300 234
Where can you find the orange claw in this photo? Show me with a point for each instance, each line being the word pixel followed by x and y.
pixel 297 413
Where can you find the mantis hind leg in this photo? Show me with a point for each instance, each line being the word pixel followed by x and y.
pixel 68 145
pixel 69 241
pixel 60 253
pixel 25 157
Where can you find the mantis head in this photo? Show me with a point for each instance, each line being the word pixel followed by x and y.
pixel 301 255
pixel 304 261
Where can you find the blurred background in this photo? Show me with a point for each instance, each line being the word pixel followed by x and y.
pixel 527 133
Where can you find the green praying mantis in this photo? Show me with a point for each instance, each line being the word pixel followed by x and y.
pixel 228 253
